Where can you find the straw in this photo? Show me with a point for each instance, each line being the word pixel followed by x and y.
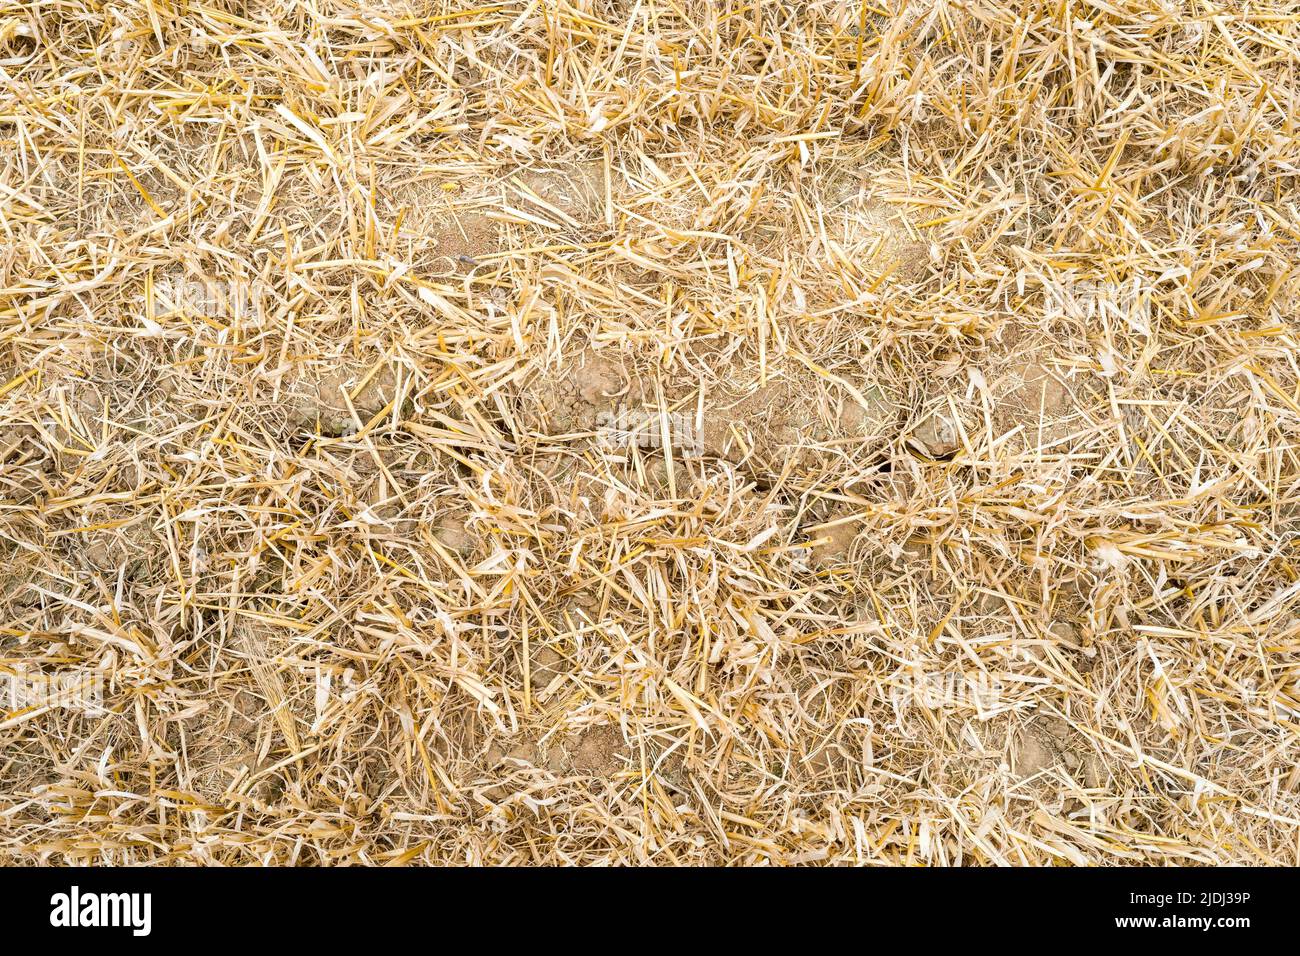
pixel 662 432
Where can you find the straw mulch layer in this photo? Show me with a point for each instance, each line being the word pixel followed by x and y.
pixel 650 431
